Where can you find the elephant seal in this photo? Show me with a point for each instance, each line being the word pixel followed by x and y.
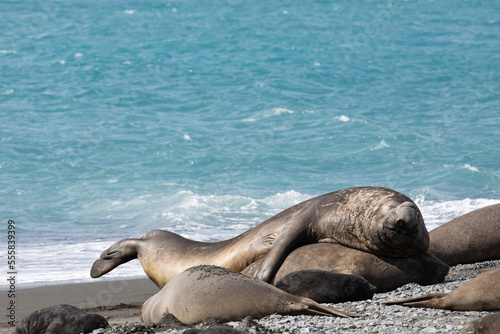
pixel 326 287
pixel 377 220
pixel 489 324
pixel 60 319
pixel 385 273
pixel 481 293
pixel 204 292
pixel 470 238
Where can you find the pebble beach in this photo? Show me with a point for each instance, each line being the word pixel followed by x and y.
pixel 377 318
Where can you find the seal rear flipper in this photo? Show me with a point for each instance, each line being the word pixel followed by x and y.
pixel 309 306
pixel 432 300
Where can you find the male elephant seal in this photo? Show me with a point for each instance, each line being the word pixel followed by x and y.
pixel 204 292
pixel 481 293
pixel 385 273
pixel 326 287
pixel 60 319
pixel 473 237
pixel 376 220
pixel 489 324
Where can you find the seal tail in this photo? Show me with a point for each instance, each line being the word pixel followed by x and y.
pixel 432 300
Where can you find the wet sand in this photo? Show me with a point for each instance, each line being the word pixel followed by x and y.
pixel 120 300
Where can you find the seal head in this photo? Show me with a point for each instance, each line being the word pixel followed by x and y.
pixel 401 232
pixel 120 252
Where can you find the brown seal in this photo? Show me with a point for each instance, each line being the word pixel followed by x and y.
pixel 385 273
pixel 60 319
pixel 165 254
pixel 489 324
pixel 326 287
pixel 481 293
pixel 376 220
pixel 473 237
pixel 204 292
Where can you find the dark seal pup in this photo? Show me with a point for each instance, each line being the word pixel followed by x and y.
pixel 376 220
pixel 60 319
pixel 385 273
pixel 481 293
pixel 326 287
pixel 473 237
pixel 206 292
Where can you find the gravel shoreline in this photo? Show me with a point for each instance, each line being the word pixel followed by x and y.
pixel 377 318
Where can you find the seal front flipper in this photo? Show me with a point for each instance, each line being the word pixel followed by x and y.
pixel 275 258
pixel 291 237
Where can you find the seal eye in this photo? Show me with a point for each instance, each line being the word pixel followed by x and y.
pixel 109 255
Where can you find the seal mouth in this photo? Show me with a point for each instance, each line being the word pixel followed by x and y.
pixel 400 237
pixel 400 227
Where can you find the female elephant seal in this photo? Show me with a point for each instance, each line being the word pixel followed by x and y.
pixel 470 238
pixel 481 293
pixel 376 220
pixel 385 273
pixel 204 292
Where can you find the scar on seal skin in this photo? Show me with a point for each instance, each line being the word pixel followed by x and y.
pixel 373 219
pixel 206 292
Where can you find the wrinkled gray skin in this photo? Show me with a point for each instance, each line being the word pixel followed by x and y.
pixel 60 319
pixel 473 237
pixel 481 293
pixel 489 324
pixel 376 220
pixel 204 292
pixel 326 287
pixel 385 273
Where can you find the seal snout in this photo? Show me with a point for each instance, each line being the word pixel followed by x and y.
pixel 97 269
pixel 408 218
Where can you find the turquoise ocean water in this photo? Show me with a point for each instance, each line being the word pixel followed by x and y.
pixel 206 118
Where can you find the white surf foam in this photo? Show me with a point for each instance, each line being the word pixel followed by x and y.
pixel 194 216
